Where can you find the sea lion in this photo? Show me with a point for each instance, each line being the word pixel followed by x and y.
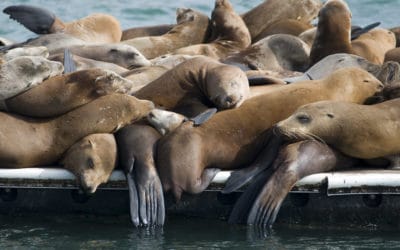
pixel 25 51
pixel 156 30
pixel 232 138
pixel 120 54
pixel 82 63
pixel 136 148
pixel 25 72
pixel 396 31
pixel 334 36
pixel 331 63
pixel 351 128
pixel 261 201
pixel 95 28
pixel 143 76
pixel 60 94
pixel 192 28
pixel 267 12
pixel 169 61
pixel 229 34
pixel 194 85
pixel 278 52
pixel 92 160
pixel 284 26
pixel 31 142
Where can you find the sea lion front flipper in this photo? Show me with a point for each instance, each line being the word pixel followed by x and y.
pixel 359 31
pixel 133 199
pixel 203 117
pixel 69 64
pixel 264 159
pixel 151 196
pixel 37 20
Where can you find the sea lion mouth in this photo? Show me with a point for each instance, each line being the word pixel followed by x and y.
pixel 294 135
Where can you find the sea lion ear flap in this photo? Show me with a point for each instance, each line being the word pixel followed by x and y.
pixel 37 20
pixel 356 32
pixel 203 117
pixel 69 64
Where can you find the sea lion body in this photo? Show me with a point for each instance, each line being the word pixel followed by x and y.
pixel 285 26
pixel 92 160
pixel 232 138
pixel 229 34
pixel 192 28
pixel 24 51
pixel 156 30
pixel 60 94
pixel 351 128
pixel 29 142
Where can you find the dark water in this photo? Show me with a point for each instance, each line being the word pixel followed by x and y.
pixel 86 232
pixel 83 232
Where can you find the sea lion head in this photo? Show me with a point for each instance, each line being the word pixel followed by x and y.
pixel 165 121
pixel 227 86
pixel 91 160
pixel 127 56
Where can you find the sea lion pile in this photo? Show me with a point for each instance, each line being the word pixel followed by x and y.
pixel 264 93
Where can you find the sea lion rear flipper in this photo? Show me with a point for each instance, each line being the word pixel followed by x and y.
pixel 359 31
pixel 37 20
pixel 151 196
pixel 264 159
pixel 133 199
pixel 69 64
pixel 203 117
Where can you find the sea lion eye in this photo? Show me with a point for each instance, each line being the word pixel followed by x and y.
pixel 303 119
pixel 330 115
pixel 90 163
pixel 366 80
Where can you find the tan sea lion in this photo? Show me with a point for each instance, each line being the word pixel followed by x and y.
pixel 278 53
pixel 267 12
pixel 229 34
pixel 142 76
pixel 194 85
pixel 95 28
pixel 25 72
pixel 92 160
pixel 232 138
pixel 350 128
pixel 31 142
pixel 284 26
pixel 60 94
pixel 156 30
pixel 192 28
pixel 334 36
pixel 293 162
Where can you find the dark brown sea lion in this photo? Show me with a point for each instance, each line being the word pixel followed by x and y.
pixel 260 203
pixel 95 28
pixel 233 138
pixel 60 94
pixel 192 28
pixel 92 160
pixel 196 85
pixel 229 34
pixel 351 128
pixel 32 142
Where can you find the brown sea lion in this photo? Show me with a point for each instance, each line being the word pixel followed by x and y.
pixel 60 94
pixel 334 36
pixel 156 30
pixel 136 149
pixel 95 28
pixel 284 26
pixel 192 28
pixel 278 53
pixel 31 142
pixel 232 138
pixel 229 34
pixel 142 76
pixel 194 85
pixel 261 201
pixel 25 72
pixel 267 12
pixel 92 160
pixel 396 31
pixel 350 128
